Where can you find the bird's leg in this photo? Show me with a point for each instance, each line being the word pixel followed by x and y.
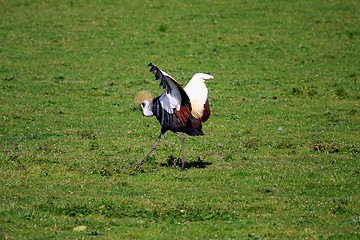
pixel 152 149
pixel 182 150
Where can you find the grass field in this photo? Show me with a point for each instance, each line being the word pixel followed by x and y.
pixel 280 158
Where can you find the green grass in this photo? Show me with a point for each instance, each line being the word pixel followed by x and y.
pixel 280 158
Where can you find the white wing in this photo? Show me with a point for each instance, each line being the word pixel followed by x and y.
pixel 170 99
pixel 197 92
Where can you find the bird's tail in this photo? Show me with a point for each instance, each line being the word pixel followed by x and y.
pixel 141 97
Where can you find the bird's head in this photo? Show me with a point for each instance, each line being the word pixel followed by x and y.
pixel 143 100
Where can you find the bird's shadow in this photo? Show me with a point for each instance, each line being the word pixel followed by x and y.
pixel 176 162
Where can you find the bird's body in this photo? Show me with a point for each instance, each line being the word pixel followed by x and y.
pixel 169 121
pixel 178 109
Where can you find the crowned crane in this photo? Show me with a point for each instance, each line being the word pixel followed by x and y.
pixel 177 109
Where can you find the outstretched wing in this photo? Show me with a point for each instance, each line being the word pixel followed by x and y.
pixel 197 92
pixel 174 98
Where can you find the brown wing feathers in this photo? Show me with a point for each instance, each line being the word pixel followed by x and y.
pixel 183 114
pixel 197 122
pixel 206 112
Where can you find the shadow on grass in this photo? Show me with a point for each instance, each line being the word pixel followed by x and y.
pixel 176 162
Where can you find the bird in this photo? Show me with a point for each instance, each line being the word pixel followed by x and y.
pixel 178 109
